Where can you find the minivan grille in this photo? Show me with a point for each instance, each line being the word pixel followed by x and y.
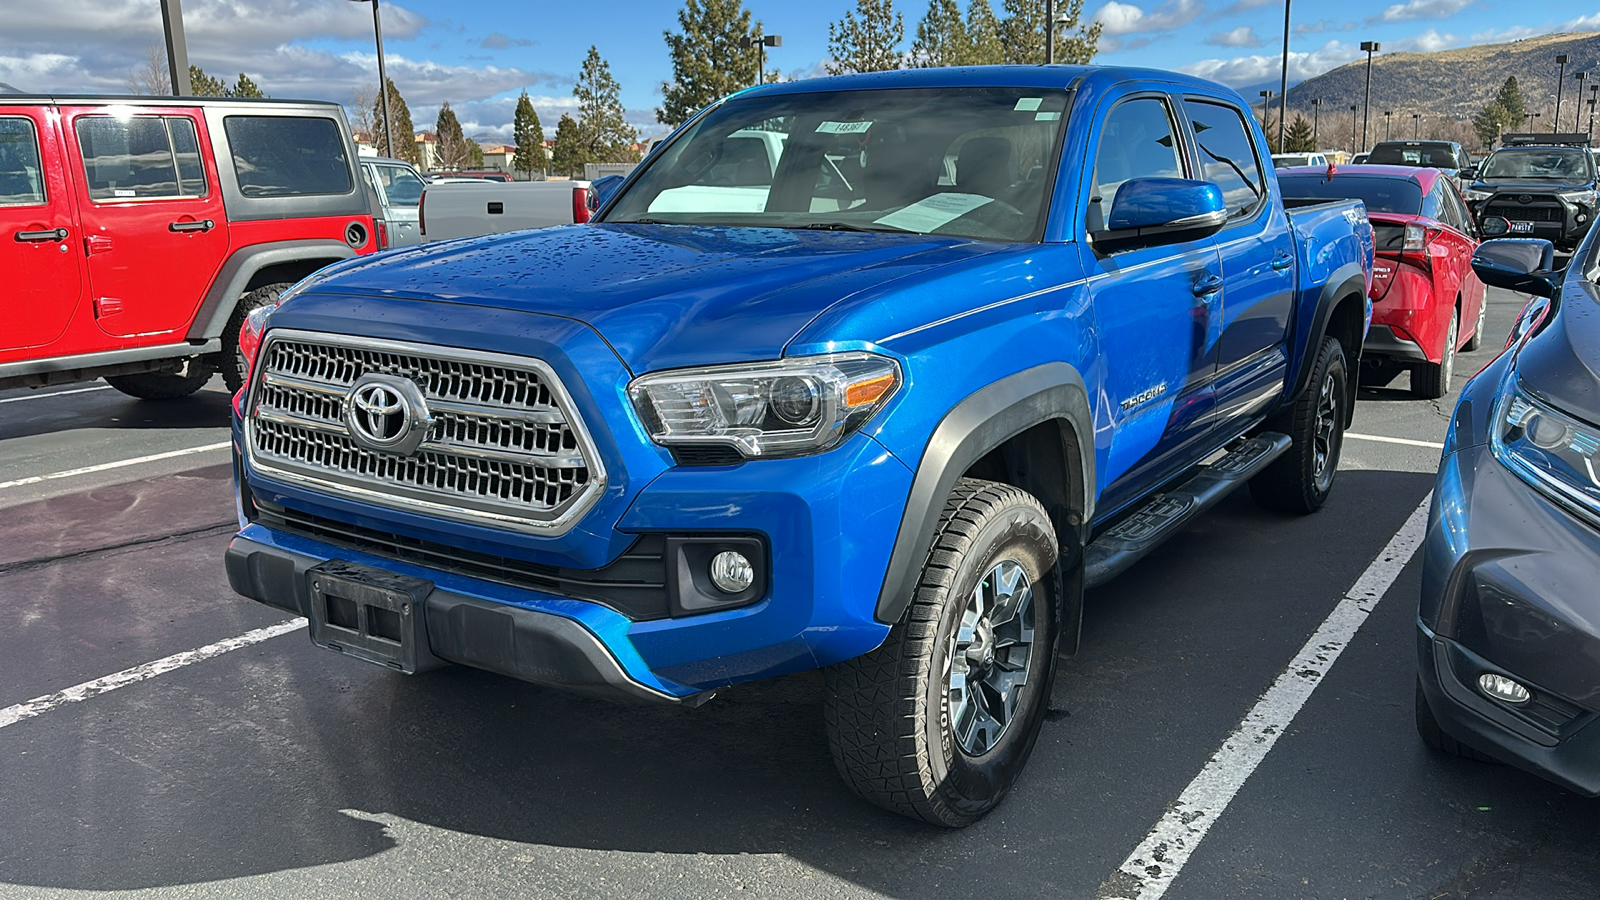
pixel 502 447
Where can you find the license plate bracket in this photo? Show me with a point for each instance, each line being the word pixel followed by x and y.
pixel 370 614
pixel 1521 227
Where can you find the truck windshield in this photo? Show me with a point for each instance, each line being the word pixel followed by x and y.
pixel 975 163
pixel 1383 195
pixel 1539 163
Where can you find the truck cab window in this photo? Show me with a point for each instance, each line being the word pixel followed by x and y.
pixel 1135 142
pixel 1227 155
pixel 21 176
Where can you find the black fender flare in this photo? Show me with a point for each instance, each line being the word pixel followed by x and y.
pixel 1349 279
pixel 978 424
pixel 242 265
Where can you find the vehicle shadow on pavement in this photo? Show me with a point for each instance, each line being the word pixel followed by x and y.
pixel 283 757
pixel 112 411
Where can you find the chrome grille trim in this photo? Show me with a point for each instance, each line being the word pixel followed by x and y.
pixel 506 448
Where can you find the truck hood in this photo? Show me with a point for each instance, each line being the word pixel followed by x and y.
pixel 663 296
pixel 1526 185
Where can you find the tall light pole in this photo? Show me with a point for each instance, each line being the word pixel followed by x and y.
pixel 1415 119
pixel 1353 148
pixel 1052 21
pixel 1368 47
pixel 1577 117
pixel 1561 77
pixel 383 82
pixel 761 42
pixel 1386 114
pixel 1594 94
pixel 1529 120
pixel 1266 110
pixel 1316 112
pixel 1283 84
pixel 177 47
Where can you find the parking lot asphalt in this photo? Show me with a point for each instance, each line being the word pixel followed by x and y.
pixel 281 770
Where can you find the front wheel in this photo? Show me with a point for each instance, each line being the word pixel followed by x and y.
pixel 1300 480
pixel 938 722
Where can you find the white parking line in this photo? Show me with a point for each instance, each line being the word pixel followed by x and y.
pixel 1383 439
pixel 103 387
pixel 1152 866
pixel 11 715
pixel 118 464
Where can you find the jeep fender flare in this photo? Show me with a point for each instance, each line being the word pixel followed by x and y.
pixel 981 422
pixel 1346 281
pixel 241 266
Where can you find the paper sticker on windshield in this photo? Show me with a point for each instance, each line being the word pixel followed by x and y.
pixel 1046 117
pixel 1028 104
pixel 932 213
pixel 843 127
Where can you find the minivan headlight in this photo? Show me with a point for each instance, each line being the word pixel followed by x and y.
pixel 791 407
pixel 1549 448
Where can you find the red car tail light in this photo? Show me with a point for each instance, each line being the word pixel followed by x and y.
pixel 580 204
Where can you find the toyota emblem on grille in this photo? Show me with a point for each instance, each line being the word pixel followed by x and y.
pixel 1524 198
pixel 387 413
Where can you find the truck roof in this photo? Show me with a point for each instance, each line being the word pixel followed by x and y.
pixel 1053 76
pixel 153 100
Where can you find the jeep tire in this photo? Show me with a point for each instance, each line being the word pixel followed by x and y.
pixel 938 722
pixel 1300 480
pixel 231 362
pixel 164 385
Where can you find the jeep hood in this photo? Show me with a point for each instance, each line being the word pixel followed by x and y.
pixel 663 296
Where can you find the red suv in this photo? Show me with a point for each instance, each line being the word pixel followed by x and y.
pixel 136 233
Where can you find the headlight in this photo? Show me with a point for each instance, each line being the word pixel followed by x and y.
pixel 1584 197
pixel 1548 448
pixel 1475 196
pixel 787 408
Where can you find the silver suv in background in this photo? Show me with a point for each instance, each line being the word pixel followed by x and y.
pixel 399 189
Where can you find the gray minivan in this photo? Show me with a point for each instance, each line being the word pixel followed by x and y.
pixel 399 189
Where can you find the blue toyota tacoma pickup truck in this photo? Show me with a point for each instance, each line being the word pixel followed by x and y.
pixel 869 374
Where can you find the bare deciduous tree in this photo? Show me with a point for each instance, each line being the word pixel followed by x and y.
pixel 151 76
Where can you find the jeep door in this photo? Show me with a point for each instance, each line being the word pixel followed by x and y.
pixel 1154 306
pixel 154 228
pixel 1256 249
pixel 38 232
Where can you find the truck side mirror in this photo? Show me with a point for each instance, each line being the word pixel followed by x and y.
pixel 604 187
pixel 1468 173
pixel 1525 265
pixel 1150 211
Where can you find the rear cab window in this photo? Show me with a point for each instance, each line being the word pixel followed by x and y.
pixel 288 156
pixel 140 157
pixel 21 173
pixel 1228 156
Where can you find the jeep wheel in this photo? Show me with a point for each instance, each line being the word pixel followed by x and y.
pixel 163 385
pixel 1299 481
pixel 1429 381
pixel 231 362
pixel 937 723
pixel 1476 341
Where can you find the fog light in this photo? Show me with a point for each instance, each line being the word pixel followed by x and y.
pixel 1503 689
pixel 731 572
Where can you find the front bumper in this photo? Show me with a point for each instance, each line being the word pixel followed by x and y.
pixel 1552 218
pixel 1508 588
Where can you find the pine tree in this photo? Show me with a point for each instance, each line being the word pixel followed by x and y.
pixel 985 46
pixel 474 154
pixel 203 85
pixel 709 59
pixel 865 40
pixel 568 155
pixel 244 87
pixel 941 37
pixel 404 134
pixel 1299 139
pixel 528 135
pixel 602 122
pixel 1510 100
pixel 1489 122
pixel 453 152
pixel 1023 32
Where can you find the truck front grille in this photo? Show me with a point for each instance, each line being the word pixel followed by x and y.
pixel 1518 212
pixel 500 441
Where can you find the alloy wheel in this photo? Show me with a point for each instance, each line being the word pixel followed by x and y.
pixel 987 660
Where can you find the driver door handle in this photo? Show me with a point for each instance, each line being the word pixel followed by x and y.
pixel 185 227
pixel 1207 285
pixel 38 237
pixel 1282 261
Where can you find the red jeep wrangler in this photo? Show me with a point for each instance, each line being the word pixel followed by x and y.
pixel 137 232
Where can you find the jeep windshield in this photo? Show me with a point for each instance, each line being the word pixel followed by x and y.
pixel 974 163
pixel 1568 166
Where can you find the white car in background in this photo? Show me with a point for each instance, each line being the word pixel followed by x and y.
pixel 1286 160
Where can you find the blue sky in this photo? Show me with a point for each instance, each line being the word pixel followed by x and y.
pixel 478 55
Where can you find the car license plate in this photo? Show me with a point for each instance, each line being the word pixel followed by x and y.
pixel 370 614
pixel 1521 227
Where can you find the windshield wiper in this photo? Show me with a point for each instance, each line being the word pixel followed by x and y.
pixel 847 226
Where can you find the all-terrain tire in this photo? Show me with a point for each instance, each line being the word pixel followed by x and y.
pixel 231 361
pixel 163 385
pixel 1435 738
pixel 903 735
pixel 1300 480
pixel 1430 381
pixel 1476 341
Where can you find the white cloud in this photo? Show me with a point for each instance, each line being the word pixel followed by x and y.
pixel 1125 18
pixel 1243 36
pixel 1496 36
pixel 1427 42
pixel 1424 9
pixel 1247 70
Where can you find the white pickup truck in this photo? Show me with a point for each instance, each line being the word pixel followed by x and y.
pixel 462 209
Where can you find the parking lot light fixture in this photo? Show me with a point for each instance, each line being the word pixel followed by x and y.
pixel 1386 114
pixel 1316 111
pixel 1368 47
pixel 1577 117
pixel 1561 77
pixel 1266 110
pixel 761 42
pixel 383 81
pixel 1416 119
pixel 1529 120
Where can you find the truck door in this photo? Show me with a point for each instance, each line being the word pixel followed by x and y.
pixel 43 279
pixel 1257 253
pixel 154 228
pixel 1155 309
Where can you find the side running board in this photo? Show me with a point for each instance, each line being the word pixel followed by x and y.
pixel 1163 515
